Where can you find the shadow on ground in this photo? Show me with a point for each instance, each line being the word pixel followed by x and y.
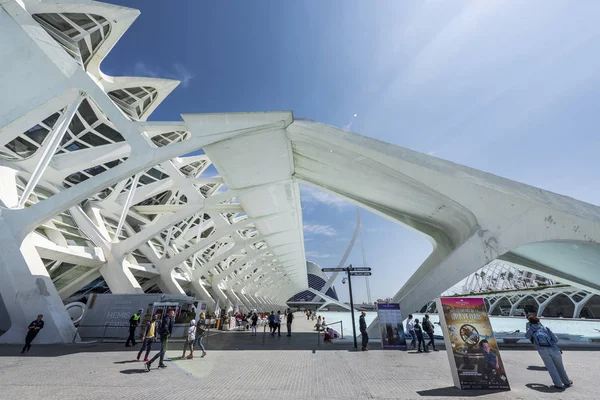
pixel 536 368
pixel 538 387
pixel 452 391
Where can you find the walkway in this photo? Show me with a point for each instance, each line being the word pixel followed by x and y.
pixel 281 368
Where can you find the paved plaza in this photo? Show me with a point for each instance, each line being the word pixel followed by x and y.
pixel 240 366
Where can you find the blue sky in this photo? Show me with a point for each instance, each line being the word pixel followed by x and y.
pixel 510 88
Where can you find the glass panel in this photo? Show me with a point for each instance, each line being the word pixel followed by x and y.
pixel 83 50
pixel 75 178
pixel 76 146
pixel 55 20
pixel 145 179
pixel 51 120
pixel 94 140
pixel 112 164
pixel 98 18
pixel 81 19
pixel 37 134
pixel 137 91
pixel 76 126
pixel 119 94
pixel 21 147
pixel 156 173
pixel 109 133
pixel 96 38
pixel 97 170
pixel 87 113
pixel 106 28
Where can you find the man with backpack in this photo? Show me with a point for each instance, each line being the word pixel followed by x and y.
pixel 545 343
pixel 429 328
pixel 165 331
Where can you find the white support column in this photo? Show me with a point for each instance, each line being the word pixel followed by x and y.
pixel 50 148
pixel 119 278
pixel 26 289
pixel 127 205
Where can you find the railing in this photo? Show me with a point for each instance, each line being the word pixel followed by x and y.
pixel 329 325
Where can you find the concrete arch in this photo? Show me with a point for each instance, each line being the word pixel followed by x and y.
pixel 561 305
pixel 591 308
pixel 526 300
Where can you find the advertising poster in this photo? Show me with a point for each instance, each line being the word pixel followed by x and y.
pixel 390 324
pixel 473 353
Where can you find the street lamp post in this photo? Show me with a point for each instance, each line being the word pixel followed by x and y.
pixel 348 270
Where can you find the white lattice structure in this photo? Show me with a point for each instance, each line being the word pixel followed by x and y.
pixel 510 290
pixel 94 192
pixel 89 189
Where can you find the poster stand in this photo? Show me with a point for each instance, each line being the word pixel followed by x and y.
pixel 390 326
pixel 472 349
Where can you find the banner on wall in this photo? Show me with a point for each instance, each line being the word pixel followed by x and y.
pixel 475 361
pixel 390 325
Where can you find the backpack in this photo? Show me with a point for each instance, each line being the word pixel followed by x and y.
pixel 541 338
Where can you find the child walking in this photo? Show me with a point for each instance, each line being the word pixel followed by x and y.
pixel 191 337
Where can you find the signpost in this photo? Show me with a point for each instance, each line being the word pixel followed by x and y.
pixel 334 269
pixel 359 271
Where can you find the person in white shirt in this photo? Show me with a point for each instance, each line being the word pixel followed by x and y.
pixel 189 342
pixel 410 327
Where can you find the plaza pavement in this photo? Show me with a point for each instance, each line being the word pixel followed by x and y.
pixel 240 366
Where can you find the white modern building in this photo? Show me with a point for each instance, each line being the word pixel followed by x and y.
pixel 320 293
pixel 510 290
pixel 91 190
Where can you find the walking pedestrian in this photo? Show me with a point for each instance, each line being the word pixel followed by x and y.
pixel 271 322
pixel 32 330
pixel 254 320
pixel 410 327
pixel 201 331
pixel 419 334
pixel 148 338
pixel 189 341
pixel 277 324
pixel 363 331
pixel 290 318
pixel 133 323
pixel 165 331
pixel 319 324
pixel 545 343
pixel 429 328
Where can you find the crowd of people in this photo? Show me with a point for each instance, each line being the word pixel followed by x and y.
pixel 544 340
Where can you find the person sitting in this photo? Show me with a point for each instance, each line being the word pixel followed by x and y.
pixel 327 336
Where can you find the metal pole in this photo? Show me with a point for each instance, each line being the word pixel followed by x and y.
pixel 351 304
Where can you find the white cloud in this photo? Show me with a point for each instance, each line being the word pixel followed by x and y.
pixel 182 74
pixel 177 71
pixel 311 195
pixel 316 229
pixel 316 254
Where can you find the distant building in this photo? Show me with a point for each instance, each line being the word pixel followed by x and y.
pixel 314 297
